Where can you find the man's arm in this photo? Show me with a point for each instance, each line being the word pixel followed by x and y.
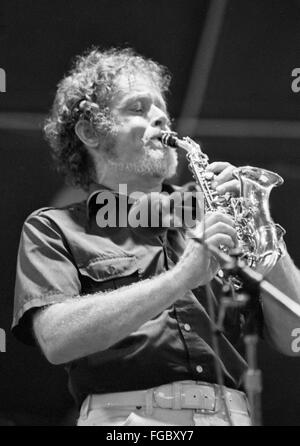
pixel 83 326
pixel 280 322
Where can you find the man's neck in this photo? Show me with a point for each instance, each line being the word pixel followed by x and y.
pixel 145 184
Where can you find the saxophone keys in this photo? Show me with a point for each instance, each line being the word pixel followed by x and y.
pixel 221 274
pixel 209 176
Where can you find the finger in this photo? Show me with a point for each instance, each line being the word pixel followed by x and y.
pixel 218 166
pixel 221 228
pixel 232 186
pixel 218 240
pixel 225 175
pixel 212 218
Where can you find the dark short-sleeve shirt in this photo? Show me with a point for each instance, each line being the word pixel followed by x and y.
pixel 64 254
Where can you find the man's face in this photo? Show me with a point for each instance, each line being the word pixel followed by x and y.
pixel 140 114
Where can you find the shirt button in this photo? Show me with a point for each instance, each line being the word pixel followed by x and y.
pixel 187 327
pixel 199 369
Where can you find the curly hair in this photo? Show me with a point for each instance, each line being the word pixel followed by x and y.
pixel 85 93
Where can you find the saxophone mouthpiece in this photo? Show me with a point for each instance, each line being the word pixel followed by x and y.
pixel 169 139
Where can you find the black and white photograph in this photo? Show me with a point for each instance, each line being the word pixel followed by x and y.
pixel 150 218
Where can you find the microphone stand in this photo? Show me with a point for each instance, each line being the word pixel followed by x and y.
pixel 253 284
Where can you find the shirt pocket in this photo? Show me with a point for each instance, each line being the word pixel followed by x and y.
pixel 102 274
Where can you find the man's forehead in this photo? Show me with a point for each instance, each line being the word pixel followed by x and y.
pixel 128 84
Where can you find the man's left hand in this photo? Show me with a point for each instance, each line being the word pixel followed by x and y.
pixel 224 181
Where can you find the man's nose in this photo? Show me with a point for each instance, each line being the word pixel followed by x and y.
pixel 158 117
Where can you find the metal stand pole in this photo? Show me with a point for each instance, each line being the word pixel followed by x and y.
pixel 253 379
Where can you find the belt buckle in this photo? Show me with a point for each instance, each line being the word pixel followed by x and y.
pixel 201 398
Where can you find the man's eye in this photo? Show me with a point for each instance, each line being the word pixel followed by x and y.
pixel 137 107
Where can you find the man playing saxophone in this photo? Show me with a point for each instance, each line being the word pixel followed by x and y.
pixel 126 312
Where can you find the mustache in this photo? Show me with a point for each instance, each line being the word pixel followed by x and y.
pixel 155 135
pixel 147 139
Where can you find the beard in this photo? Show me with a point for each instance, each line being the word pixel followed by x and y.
pixel 159 163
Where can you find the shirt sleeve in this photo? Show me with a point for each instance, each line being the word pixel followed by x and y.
pixel 46 273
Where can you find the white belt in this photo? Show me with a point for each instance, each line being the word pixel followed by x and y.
pixel 203 397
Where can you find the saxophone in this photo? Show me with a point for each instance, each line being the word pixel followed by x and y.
pixel 260 240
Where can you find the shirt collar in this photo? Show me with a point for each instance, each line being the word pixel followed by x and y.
pixel 95 188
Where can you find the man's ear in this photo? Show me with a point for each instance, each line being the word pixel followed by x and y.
pixel 87 134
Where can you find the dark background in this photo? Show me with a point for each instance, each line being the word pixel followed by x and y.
pixel 232 62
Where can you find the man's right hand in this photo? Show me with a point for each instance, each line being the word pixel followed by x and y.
pixel 197 265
